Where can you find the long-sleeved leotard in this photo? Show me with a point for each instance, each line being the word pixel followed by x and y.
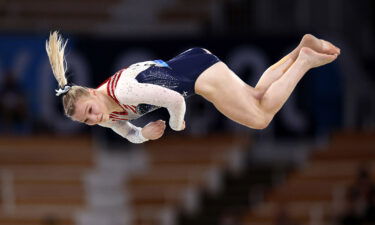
pixel 126 130
pixel 147 86
pixel 137 99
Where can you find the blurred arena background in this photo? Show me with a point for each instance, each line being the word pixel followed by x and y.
pixel 314 165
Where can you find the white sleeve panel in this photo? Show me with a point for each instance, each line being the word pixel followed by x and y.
pixel 131 92
pixel 128 131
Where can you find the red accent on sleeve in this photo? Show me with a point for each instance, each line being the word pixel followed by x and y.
pixel 112 86
pixel 132 108
pixel 121 113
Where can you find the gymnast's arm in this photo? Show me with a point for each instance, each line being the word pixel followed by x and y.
pixel 127 130
pixel 142 93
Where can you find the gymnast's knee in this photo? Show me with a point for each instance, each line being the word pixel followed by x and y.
pixel 259 125
pixel 260 122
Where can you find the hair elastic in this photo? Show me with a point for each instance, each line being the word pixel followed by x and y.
pixel 63 91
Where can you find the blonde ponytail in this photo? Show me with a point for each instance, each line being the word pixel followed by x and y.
pixel 55 47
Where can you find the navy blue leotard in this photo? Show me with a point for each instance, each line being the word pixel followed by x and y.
pixel 181 72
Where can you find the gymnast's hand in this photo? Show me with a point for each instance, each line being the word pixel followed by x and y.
pixel 154 130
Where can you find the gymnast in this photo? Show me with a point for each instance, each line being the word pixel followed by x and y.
pixel 146 86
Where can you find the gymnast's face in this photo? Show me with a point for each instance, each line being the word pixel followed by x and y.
pixel 91 109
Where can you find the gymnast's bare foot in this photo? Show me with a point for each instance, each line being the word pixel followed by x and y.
pixel 315 59
pixel 319 45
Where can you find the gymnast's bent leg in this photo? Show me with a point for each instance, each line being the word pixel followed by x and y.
pixel 275 71
pixel 241 103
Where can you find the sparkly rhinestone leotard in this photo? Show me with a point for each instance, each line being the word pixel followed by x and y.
pixel 146 86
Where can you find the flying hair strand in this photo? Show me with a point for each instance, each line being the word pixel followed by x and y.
pixel 55 48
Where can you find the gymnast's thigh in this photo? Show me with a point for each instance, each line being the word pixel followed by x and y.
pixel 230 95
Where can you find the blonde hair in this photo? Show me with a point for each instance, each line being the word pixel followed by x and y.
pixel 55 48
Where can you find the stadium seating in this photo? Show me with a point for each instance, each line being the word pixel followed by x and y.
pixel 107 17
pixel 70 15
pixel 41 179
pixel 177 168
pixel 310 195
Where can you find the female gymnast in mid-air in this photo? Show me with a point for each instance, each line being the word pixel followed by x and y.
pixel 146 86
